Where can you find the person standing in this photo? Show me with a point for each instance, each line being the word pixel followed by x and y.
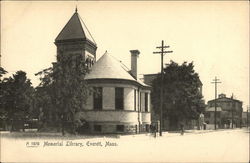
pixel 182 128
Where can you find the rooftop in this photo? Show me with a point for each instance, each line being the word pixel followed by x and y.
pixel 107 67
pixel 75 29
pixel 224 98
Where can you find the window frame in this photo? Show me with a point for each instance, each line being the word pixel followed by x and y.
pixel 98 128
pixel 119 98
pixel 135 91
pixel 146 102
pixel 98 99
pixel 122 129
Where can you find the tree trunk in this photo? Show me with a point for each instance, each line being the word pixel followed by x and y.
pixel 63 128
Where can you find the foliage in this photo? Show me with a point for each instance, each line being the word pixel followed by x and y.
pixel 44 95
pixel 17 96
pixel 63 88
pixel 71 88
pixel 2 72
pixel 3 112
pixel 181 96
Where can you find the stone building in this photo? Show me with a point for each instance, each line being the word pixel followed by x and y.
pixel 120 102
pixel 229 111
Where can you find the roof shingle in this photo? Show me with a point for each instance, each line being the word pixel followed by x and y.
pixel 75 29
pixel 107 67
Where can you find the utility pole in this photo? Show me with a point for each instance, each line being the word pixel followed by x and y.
pixel 215 82
pixel 162 52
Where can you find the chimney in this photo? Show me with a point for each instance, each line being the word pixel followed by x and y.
pixel 134 56
pixel 222 95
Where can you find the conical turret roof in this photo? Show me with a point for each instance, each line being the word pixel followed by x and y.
pixel 107 67
pixel 75 29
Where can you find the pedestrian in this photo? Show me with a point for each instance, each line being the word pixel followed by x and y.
pixel 153 129
pixel 182 129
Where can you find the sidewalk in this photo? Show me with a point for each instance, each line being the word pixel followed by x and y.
pixel 175 133
pixel 58 135
pixel 190 132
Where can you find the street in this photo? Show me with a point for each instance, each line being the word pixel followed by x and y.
pixel 213 146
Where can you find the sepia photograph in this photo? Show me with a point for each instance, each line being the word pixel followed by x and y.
pixel 124 81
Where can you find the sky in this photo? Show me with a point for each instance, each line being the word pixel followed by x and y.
pixel 214 35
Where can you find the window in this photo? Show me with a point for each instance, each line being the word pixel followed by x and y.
pixel 218 114
pixel 120 128
pixel 146 102
pixel 135 99
pixel 97 128
pixel 119 98
pixel 97 98
pixel 140 101
pixel 89 62
pixel 147 127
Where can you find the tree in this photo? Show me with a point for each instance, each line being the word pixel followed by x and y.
pixel 2 72
pixel 17 98
pixel 182 98
pixel 3 112
pixel 70 86
pixel 66 88
pixel 45 100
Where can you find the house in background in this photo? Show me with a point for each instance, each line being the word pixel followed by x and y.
pixel 245 119
pixel 120 102
pixel 229 112
pixel 209 117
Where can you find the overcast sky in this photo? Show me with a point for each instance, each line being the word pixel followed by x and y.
pixel 214 35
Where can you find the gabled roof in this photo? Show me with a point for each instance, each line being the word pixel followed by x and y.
pixel 107 67
pixel 75 29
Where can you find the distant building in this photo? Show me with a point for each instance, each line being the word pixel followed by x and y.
pixel 229 110
pixel 245 119
pixel 209 117
pixel 120 102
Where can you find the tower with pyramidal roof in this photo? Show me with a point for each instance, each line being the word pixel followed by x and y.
pixel 120 102
pixel 75 38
